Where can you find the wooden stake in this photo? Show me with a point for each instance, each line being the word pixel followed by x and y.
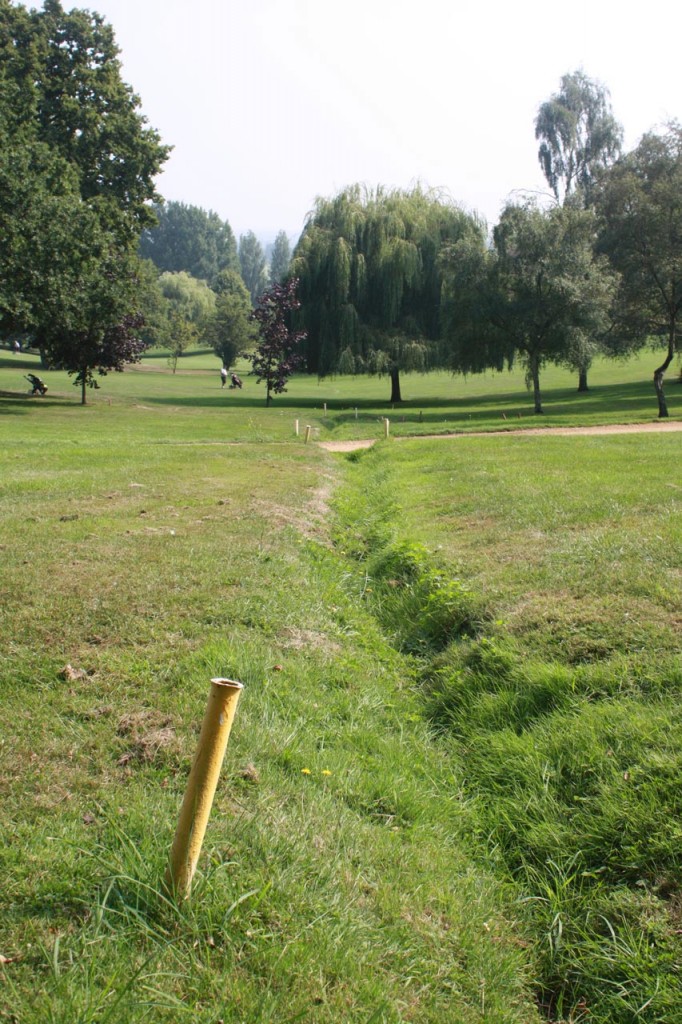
pixel 201 785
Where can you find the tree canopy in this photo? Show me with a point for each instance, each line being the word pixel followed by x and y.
pixel 532 296
pixel 640 201
pixel 370 279
pixel 280 258
pixel 579 134
pixel 61 85
pixel 253 265
pixel 190 239
pixel 232 330
pixel 77 163
pixel 277 354
pixel 580 139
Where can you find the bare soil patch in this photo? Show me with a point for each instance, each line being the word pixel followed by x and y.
pixel 657 426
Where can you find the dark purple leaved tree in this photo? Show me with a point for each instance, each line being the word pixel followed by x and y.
pixel 277 355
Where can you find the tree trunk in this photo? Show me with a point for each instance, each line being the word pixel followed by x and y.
pixel 535 376
pixel 659 373
pixel 395 385
pixel 582 379
pixel 83 394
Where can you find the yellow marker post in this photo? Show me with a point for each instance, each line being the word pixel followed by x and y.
pixel 308 430
pixel 201 785
pixel 296 428
pixel 387 427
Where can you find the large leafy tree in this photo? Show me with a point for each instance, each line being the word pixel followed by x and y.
pixel 66 278
pixel 370 280
pixel 232 330
pixel 62 85
pixel 92 326
pixel 78 164
pixel 640 200
pixel 253 265
pixel 188 238
pixel 537 290
pixel 579 137
pixel 278 353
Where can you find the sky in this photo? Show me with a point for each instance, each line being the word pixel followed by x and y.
pixel 269 104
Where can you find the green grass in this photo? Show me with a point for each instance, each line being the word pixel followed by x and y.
pixel 552 681
pixel 192 402
pixel 452 788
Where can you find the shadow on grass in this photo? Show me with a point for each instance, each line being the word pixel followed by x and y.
pixel 22 361
pixel 15 402
pixel 163 355
pixel 560 402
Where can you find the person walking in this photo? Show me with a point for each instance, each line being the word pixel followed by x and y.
pixel 223 377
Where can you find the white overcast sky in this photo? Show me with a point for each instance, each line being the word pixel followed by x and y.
pixel 270 103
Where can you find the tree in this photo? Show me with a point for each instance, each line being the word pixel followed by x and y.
pixel 96 325
pixel 190 308
pixel 640 200
pixel 253 265
pixel 62 84
pixel 278 353
pixel 190 239
pixel 531 296
pixel 280 258
pixel 77 164
pixel 371 280
pixel 232 331
pixel 580 138
pixel 182 335
pixel 66 279
pixel 192 297
pixel 156 307
pixel 579 134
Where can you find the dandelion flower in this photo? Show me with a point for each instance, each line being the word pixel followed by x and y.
pixel 305 771
pixel 325 771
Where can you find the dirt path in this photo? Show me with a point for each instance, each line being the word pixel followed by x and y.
pixel 657 426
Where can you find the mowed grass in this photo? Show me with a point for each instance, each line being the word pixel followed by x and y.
pixel 452 789
pixel 334 883
pixel 191 401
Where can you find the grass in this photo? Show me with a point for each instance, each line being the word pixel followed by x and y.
pixel 452 788
pixel 557 697
pixel 174 405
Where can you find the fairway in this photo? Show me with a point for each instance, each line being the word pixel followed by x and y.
pixel 452 790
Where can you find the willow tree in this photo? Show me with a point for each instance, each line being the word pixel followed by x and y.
pixel 370 280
